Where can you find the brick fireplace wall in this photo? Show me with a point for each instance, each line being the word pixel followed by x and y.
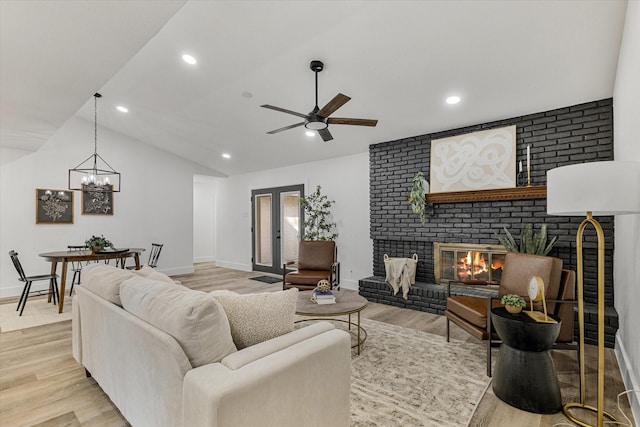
pixel 575 134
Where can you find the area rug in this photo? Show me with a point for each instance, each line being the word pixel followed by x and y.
pixel 267 279
pixel 37 312
pixel 405 377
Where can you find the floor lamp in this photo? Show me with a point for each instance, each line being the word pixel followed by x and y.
pixel 595 188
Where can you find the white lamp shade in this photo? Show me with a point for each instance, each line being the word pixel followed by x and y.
pixel 602 188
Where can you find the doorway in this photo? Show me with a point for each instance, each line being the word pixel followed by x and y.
pixel 275 227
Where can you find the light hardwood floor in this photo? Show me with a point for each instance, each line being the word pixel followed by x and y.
pixel 42 385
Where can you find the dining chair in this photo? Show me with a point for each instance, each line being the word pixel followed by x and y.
pixel 76 266
pixel 154 254
pixel 28 280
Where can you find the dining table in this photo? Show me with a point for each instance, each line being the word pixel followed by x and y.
pixel 65 257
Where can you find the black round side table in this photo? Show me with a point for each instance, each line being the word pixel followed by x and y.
pixel 525 376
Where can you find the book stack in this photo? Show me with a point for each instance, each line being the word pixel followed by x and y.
pixel 323 297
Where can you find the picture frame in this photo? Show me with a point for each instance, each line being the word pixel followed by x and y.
pixel 97 202
pixel 480 160
pixel 54 206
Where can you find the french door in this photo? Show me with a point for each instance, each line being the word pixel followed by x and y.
pixel 276 226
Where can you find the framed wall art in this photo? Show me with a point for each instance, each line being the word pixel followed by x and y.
pixel 54 206
pixel 475 161
pixel 97 203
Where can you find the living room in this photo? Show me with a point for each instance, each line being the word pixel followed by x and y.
pixel 173 187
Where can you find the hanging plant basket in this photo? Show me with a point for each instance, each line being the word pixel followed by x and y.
pixel 417 199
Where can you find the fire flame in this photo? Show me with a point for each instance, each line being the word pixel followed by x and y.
pixel 474 264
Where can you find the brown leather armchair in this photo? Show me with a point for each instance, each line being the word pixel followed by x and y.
pixel 317 260
pixel 471 312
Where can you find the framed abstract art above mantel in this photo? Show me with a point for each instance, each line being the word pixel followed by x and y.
pixel 54 206
pixel 474 161
pixel 97 203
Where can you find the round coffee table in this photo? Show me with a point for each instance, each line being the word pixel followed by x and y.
pixel 347 303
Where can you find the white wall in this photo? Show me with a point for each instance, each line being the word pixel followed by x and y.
pixel 626 268
pixel 8 155
pixel 204 218
pixel 155 204
pixel 344 179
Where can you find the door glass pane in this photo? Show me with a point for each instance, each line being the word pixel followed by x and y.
pixel 264 254
pixel 290 211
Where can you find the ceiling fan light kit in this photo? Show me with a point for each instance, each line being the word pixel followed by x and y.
pixel 318 119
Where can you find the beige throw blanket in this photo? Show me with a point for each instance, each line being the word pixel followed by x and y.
pixel 400 273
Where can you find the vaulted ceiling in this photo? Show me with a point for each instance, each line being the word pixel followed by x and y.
pixel 397 60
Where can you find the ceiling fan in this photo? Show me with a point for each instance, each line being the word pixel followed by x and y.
pixel 318 119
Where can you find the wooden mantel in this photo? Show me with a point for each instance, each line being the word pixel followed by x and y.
pixel 517 193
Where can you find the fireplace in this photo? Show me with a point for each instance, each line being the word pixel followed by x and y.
pixel 468 263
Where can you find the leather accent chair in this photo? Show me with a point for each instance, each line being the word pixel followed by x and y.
pixel 317 260
pixel 471 312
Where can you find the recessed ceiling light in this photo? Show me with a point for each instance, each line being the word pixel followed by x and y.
pixel 310 133
pixel 226 155
pixel 189 59
pixel 122 109
pixel 453 99
pixel 247 94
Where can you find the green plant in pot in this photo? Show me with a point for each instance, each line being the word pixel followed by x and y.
pixel 97 244
pixel 417 200
pixel 513 303
pixel 530 242
pixel 317 217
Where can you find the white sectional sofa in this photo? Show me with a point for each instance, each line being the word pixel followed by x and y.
pixel 165 356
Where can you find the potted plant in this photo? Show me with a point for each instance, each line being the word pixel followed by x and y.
pixel 530 243
pixel 317 217
pixel 417 197
pixel 513 303
pixel 97 244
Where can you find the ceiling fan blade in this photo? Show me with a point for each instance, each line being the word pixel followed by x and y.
pixel 338 101
pixel 325 134
pixel 355 122
pixel 285 128
pixel 282 110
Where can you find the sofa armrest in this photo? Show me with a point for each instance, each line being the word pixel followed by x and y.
pixel 250 354
pixel 280 389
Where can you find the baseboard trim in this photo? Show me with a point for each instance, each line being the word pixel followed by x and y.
pixel 234 265
pixel 204 259
pixel 13 291
pixel 177 270
pixel 349 284
pixel 631 382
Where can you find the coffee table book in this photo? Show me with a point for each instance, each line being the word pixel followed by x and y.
pixel 323 297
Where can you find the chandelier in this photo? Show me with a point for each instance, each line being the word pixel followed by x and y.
pixel 91 175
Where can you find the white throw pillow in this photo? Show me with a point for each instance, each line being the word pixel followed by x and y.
pixel 104 280
pixel 152 274
pixel 255 318
pixel 195 319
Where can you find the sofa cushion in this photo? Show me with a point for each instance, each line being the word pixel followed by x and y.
pixel 151 273
pixel 105 280
pixel 255 318
pixel 196 320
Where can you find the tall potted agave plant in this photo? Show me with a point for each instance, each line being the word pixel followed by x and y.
pixel 530 242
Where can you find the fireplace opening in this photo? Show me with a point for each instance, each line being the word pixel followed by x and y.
pixel 468 263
